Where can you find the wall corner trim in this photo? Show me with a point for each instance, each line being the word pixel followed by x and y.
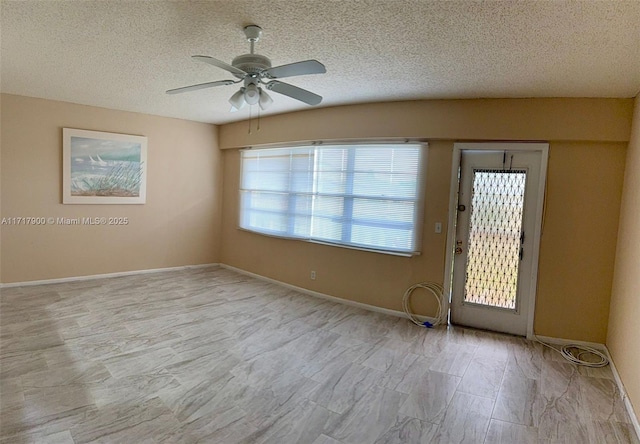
pixel 104 276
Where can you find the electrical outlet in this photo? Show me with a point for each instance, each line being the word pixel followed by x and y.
pixel 313 275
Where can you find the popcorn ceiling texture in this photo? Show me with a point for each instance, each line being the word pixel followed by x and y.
pixel 125 54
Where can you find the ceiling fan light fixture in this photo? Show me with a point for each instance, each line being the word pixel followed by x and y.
pixel 265 99
pixel 237 100
pixel 251 94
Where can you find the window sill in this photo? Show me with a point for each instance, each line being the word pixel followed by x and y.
pixel 331 244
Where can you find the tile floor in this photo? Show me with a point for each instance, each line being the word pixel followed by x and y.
pixel 213 356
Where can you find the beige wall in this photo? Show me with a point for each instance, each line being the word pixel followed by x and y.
pixel 588 139
pixel 481 119
pixel 577 251
pixel 179 224
pixel 623 339
pixel 0 188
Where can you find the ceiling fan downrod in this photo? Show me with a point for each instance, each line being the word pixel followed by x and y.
pixel 253 34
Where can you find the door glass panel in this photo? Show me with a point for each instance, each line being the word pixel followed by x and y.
pixel 495 229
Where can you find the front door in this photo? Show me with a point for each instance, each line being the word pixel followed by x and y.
pixel 496 232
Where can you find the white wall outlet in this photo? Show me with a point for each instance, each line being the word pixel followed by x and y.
pixel 313 275
pixel 438 227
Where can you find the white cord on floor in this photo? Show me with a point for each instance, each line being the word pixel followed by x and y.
pixel 436 290
pixel 571 352
pixel 574 353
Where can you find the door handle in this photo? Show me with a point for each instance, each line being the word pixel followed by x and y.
pixel 458 249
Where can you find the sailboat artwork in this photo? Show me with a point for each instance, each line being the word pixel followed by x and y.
pixel 103 167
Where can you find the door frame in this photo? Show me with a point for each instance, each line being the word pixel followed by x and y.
pixel 458 148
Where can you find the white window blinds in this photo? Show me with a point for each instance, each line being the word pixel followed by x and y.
pixel 364 196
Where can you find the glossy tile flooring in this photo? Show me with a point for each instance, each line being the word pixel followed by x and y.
pixel 213 356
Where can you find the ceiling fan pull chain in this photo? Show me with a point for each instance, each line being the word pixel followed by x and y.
pixel 258 118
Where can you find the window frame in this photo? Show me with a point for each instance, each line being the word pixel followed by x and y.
pixel 349 197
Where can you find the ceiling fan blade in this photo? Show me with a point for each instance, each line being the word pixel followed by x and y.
pixel 220 64
pixel 200 86
pixel 294 92
pixel 296 69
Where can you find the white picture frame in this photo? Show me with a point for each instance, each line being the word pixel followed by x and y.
pixel 103 168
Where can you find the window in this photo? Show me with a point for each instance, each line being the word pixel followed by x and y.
pixel 363 196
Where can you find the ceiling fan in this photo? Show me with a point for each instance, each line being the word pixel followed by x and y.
pixel 255 70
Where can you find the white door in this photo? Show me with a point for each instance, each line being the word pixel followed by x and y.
pixel 497 232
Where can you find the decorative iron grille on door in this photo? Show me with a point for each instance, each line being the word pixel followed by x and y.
pixel 495 238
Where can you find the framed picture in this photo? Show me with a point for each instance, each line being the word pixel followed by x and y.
pixel 103 168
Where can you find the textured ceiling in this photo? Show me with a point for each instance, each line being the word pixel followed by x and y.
pixel 125 54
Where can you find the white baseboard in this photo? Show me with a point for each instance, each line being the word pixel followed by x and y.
pixel 316 294
pixel 103 276
pixel 559 341
pixel 624 396
pixel 616 376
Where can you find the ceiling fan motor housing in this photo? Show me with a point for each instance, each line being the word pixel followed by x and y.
pixel 251 63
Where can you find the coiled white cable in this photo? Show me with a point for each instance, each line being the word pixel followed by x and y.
pixel 574 353
pixel 571 352
pixel 436 290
